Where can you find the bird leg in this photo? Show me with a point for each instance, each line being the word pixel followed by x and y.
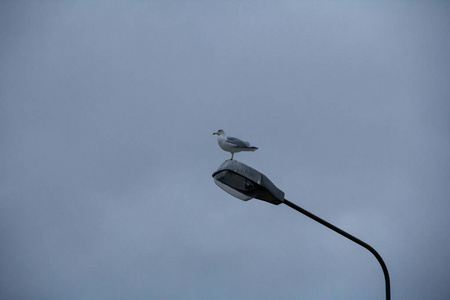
pixel 232 154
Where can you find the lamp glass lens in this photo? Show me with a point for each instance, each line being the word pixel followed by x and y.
pixel 232 191
pixel 236 185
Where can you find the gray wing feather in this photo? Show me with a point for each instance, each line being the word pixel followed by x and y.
pixel 237 142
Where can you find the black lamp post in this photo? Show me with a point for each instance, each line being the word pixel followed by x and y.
pixel 245 183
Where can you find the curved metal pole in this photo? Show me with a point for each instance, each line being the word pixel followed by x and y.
pixel 349 236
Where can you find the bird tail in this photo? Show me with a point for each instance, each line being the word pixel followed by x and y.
pixel 253 148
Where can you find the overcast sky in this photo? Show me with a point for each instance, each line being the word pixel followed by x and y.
pixel 107 110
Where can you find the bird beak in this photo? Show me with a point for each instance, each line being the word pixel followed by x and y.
pixel 215 133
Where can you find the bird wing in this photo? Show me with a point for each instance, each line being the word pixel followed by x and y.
pixel 237 142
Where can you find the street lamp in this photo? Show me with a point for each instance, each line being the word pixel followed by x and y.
pixel 245 183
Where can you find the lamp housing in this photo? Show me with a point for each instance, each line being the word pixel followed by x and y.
pixel 245 183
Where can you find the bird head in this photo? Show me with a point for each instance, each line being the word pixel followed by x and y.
pixel 219 132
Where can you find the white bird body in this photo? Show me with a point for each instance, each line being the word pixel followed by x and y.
pixel 232 144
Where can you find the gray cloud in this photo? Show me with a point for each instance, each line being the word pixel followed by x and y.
pixel 106 116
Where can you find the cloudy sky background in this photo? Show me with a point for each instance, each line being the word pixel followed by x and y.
pixel 107 110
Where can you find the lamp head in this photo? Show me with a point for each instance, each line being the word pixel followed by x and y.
pixel 245 183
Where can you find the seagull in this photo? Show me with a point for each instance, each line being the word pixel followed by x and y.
pixel 232 144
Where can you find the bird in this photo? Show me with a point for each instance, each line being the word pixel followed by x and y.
pixel 232 144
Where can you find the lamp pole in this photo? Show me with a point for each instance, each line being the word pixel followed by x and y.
pixel 349 236
pixel 245 183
